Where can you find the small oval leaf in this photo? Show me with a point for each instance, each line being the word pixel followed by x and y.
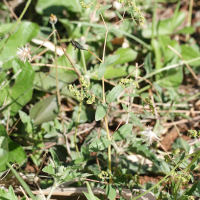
pixel 4 152
pixel 112 59
pixel 101 111
pixel 122 132
pixel 99 144
pixel 105 7
pixel 114 93
pixel 101 71
pixel 110 192
pixel 44 111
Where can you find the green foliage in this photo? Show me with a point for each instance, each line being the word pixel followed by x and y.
pixel 101 111
pixel 9 150
pixel 90 196
pixel 114 93
pixel 44 7
pixel 181 144
pixel 25 32
pixel 99 144
pixel 44 111
pixel 122 132
pixel 91 89
pixel 111 192
pixel 20 93
pixel 60 173
pixel 9 195
pixel 165 27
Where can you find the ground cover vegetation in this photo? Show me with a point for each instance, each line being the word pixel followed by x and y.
pixel 100 94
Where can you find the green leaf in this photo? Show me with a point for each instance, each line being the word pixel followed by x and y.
pixel 101 71
pixel 164 27
pixel 46 7
pixel 105 7
pixel 4 152
pixel 125 107
pixel 142 149
pixel 182 156
pixel 3 131
pixel 161 166
pixel 148 66
pixel 111 192
pixel 156 47
pixel 168 54
pixel 189 53
pixel 118 30
pixel 136 120
pixel 122 132
pixel 99 144
pixel 186 30
pixel 119 15
pixel 97 13
pixel 114 93
pixel 181 144
pixel 194 189
pixel 28 123
pixel 172 78
pixel 117 72
pixel 8 195
pixel 17 152
pixel 125 55
pixel 101 111
pixel 49 169
pixel 6 28
pixel 20 93
pixel 25 32
pixel 45 110
pixel 87 114
pixel 52 133
pixel 94 168
pixel 49 83
pixel 91 195
pixel 131 95
pixel 111 59
pixel 55 158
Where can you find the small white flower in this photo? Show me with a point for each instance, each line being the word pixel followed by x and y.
pixel 24 53
pixel 150 136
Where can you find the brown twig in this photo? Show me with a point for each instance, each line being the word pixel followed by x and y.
pixel 14 126
pixel 189 68
pixel 51 65
pixel 11 10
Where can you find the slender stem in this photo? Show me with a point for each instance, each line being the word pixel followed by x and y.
pixel 154 20
pixel 80 106
pixel 133 92
pixel 169 67
pixel 83 60
pixel 104 100
pixel 189 17
pixel 23 183
pixel 77 122
pixel 22 14
pixel 171 172
pixel 52 189
pixel 57 86
pixel 103 59
pixel 109 149
pixel 177 186
pixel 95 56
